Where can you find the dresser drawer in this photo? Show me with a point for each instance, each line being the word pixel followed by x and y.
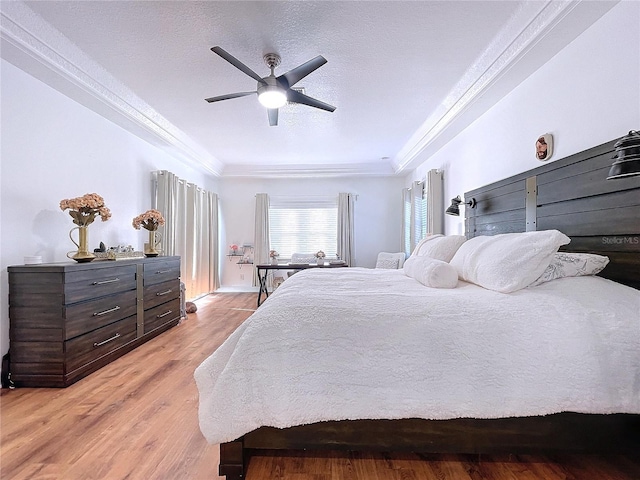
pixel 161 293
pixel 86 348
pixel 91 284
pixel 86 316
pixel 159 272
pixel 70 319
pixel 158 316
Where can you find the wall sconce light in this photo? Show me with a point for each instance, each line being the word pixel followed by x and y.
pixel 454 208
pixel 628 157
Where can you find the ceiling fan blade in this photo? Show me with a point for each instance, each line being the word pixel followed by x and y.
pixel 238 64
pixel 228 96
pixel 294 76
pixel 273 116
pixel 297 97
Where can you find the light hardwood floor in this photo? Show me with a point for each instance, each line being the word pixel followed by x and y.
pixel 137 419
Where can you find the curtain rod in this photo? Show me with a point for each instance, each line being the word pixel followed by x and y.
pixel 355 195
pixel 182 181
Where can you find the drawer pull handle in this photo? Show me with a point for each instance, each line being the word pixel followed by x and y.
pixel 159 294
pixel 164 314
pixel 99 344
pixel 106 281
pixel 114 309
pixel 159 272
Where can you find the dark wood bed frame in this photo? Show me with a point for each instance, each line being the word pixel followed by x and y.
pixel 601 216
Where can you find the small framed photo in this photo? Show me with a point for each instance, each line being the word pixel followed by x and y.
pixel 544 147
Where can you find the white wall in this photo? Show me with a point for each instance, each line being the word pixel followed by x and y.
pixel 54 148
pixel 586 95
pixel 378 214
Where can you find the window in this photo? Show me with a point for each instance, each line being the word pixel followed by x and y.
pixel 406 220
pixel 303 226
pixel 414 213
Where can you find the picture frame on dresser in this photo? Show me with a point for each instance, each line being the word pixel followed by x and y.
pixel 67 320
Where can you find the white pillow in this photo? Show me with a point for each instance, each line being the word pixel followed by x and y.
pixel 422 242
pixel 572 265
pixel 507 262
pixel 431 272
pixel 440 247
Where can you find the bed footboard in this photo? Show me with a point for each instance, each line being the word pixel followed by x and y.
pixel 558 433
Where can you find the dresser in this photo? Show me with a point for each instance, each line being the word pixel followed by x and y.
pixel 67 320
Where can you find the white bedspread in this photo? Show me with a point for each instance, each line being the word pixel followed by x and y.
pixel 355 343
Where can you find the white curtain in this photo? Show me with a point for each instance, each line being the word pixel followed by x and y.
pixel 205 261
pixel 171 201
pixel 434 202
pixel 261 254
pixel 415 230
pixel 190 231
pixel 346 242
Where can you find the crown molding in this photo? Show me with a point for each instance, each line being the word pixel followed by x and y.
pixel 34 46
pixel 527 28
pixel 305 171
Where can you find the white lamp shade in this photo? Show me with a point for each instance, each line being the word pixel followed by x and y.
pixel 272 97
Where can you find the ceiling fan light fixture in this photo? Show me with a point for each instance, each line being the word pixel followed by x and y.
pixel 272 97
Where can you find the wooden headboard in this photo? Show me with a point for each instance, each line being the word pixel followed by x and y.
pixel 571 195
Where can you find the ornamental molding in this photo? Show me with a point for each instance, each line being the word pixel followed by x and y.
pixel 26 38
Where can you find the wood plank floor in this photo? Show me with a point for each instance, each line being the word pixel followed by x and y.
pixel 137 419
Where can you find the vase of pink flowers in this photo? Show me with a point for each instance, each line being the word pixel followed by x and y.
pixel 320 257
pixel 84 210
pixel 150 220
pixel 274 257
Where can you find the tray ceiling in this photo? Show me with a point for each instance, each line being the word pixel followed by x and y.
pixel 405 76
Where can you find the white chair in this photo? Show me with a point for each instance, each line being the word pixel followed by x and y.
pixel 301 258
pixel 390 260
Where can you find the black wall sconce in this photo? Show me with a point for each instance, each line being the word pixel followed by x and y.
pixel 454 208
pixel 627 155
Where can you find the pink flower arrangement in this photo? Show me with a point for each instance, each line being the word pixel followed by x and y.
pixel 149 220
pixel 84 209
pixel 320 254
pixel 234 247
pixel 273 254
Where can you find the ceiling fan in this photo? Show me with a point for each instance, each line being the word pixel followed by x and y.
pixel 273 92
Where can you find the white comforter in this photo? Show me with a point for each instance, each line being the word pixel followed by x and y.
pixel 355 343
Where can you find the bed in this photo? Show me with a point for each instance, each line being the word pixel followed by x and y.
pixel 445 372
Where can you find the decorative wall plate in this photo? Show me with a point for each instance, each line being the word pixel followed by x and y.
pixel 544 147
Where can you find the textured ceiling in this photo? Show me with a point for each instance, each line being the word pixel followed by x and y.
pixel 404 76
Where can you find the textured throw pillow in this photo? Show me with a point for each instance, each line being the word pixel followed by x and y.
pixel 390 260
pixel 440 247
pixel 508 262
pixel 382 263
pixel 423 241
pixel 572 265
pixel 431 272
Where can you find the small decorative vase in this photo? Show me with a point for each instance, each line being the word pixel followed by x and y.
pixel 82 255
pixel 154 240
pixel 274 260
pixel 320 261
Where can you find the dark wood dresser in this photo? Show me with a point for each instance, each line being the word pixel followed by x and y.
pixel 70 319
